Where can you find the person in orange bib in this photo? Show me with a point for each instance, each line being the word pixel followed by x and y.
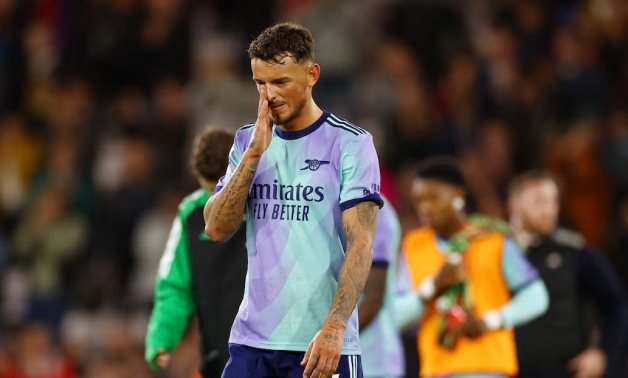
pixel 472 282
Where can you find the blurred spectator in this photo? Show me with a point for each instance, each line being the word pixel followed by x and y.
pixel 20 155
pixel 559 343
pixel 331 22
pixel 119 210
pixel 219 94
pixel 45 243
pixel 33 355
pixel 138 43
pixel 168 132
pixel 410 121
pixel 149 239
pixel 572 156
pixel 11 68
pixel 124 117
pixel 63 168
pixel 487 164
pixel 582 87
pixel 614 150
pixel 620 239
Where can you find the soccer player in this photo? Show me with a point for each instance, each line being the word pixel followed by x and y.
pixel 559 343
pixel 382 352
pixel 473 283
pixel 195 274
pixel 307 182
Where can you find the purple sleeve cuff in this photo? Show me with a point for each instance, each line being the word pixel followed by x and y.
pixel 381 263
pixel 371 197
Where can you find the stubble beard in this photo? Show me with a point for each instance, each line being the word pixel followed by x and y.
pixel 283 122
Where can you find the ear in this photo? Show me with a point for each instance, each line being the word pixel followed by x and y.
pixel 313 73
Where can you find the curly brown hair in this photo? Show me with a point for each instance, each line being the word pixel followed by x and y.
pixel 210 153
pixel 282 40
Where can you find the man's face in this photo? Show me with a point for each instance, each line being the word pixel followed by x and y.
pixel 536 206
pixel 433 203
pixel 288 85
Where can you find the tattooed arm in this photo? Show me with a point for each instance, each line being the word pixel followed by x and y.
pixel 324 351
pixel 224 210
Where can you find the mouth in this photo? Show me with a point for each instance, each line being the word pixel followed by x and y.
pixel 277 107
pixel 424 220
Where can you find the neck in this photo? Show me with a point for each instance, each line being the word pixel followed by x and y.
pixel 210 186
pixel 454 226
pixel 308 115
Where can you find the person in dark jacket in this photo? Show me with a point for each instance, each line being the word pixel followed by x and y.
pixel 584 330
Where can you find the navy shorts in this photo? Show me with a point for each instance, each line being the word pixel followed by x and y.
pixel 248 362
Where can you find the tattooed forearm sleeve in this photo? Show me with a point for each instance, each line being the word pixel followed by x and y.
pixel 224 211
pixel 359 224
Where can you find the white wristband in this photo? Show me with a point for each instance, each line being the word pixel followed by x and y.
pixel 493 320
pixel 427 289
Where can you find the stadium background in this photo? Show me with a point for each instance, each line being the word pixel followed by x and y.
pixel 99 100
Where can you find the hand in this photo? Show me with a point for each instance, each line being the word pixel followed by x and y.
pixel 449 275
pixel 163 359
pixel 472 328
pixel 260 140
pixel 324 350
pixel 591 363
pixel 474 230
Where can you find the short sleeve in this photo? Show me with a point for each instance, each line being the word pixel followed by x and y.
pixel 517 270
pixel 359 173
pixel 235 155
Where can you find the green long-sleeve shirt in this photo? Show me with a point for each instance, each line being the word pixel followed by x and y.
pixel 174 296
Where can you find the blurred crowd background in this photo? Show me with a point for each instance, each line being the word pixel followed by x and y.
pixel 99 101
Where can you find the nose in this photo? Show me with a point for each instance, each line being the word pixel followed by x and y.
pixel 270 92
pixel 420 209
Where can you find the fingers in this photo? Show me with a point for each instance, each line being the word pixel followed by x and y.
pixel 263 110
pixel 262 106
pixel 163 359
pixel 333 365
pixel 311 363
pixel 321 367
pixel 326 366
pixel 307 354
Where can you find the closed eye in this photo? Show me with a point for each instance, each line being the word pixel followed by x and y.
pixel 280 81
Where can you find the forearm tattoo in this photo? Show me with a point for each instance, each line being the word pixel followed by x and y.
pixel 227 208
pixel 359 225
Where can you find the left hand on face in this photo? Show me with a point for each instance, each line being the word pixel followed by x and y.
pixel 472 328
pixel 323 353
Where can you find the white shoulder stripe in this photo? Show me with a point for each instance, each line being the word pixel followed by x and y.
pixel 345 125
pixel 344 121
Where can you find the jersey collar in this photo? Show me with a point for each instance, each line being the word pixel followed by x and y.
pixel 290 135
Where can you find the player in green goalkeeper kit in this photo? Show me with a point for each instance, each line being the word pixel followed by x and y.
pixel 196 275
